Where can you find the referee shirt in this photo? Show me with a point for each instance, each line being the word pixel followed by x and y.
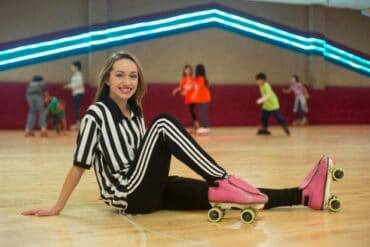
pixel 109 141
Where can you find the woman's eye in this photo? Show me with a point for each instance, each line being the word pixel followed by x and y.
pixel 119 75
pixel 133 76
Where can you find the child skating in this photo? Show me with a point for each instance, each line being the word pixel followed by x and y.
pixel 300 100
pixel 132 164
pixel 35 94
pixel 77 87
pixel 270 104
pixel 186 88
pixel 56 114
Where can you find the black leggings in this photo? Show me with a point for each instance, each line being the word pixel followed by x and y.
pixel 150 187
pixel 192 112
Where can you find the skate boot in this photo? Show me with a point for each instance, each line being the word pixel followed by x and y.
pixel 316 186
pixel 203 131
pixel 29 133
pixel 44 133
pixel 232 194
pixel 263 131
pixel 196 125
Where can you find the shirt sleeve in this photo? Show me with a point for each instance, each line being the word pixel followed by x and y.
pixel 87 140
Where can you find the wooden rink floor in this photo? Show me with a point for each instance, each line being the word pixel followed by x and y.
pixel 33 170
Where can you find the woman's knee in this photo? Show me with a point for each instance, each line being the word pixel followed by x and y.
pixel 165 116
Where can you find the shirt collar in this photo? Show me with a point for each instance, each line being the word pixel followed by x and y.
pixel 116 112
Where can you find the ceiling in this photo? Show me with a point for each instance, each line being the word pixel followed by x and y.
pixel 351 4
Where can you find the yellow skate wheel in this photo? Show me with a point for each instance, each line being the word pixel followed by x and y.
pixel 334 204
pixel 247 215
pixel 255 211
pixel 215 214
pixel 337 174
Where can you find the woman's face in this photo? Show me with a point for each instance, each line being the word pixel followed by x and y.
pixel 123 80
pixel 292 80
pixel 188 71
pixel 73 68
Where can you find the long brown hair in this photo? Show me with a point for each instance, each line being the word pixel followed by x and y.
pixel 103 88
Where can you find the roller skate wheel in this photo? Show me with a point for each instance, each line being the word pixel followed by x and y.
pixel 247 215
pixel 334 204
pixel 215 214
pixel 337 174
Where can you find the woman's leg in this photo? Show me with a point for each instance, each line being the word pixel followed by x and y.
pixel 282 197
pixel 313 192
pixel 148 176
pixel 185 194
pixel 300 113
pixel 31 117
pixel 193 116
pixel 41 111
pixel 192 112
pixel 203 112
pixel 77 105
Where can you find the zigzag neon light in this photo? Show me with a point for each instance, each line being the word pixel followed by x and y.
pixel 99 39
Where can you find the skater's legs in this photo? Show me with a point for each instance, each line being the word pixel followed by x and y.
pixel 192 112
pixel 32 110
pixel 149 173
pixel 203 115
pixel 281 121
pixel 282 197
pixel 185 194
pixel 77 99
pixel 147 196
pixel 265 115
pixel 41 112
pixel 300 112
pixel 279 117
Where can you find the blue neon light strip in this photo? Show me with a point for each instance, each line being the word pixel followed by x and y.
pixel 103 38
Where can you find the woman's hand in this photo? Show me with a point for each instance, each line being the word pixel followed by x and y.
pixel 39 212
pixel 71 181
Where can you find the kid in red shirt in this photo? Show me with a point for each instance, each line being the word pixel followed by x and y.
pixel 186 88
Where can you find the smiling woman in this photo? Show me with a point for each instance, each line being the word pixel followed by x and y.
pixel 122 80
pixel 132 165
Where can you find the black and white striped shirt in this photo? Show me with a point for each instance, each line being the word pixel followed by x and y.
pixel 109 141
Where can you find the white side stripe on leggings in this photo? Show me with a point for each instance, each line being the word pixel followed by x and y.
pixel 176 136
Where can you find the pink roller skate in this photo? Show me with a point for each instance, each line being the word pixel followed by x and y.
pixel 232 193
pixel 316 186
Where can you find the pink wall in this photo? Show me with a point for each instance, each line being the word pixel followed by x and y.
pixel 231 105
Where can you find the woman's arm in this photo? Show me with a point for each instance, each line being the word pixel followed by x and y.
pixel 262 99
pixel 72 179
pixel 287 90
pixel 176 90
